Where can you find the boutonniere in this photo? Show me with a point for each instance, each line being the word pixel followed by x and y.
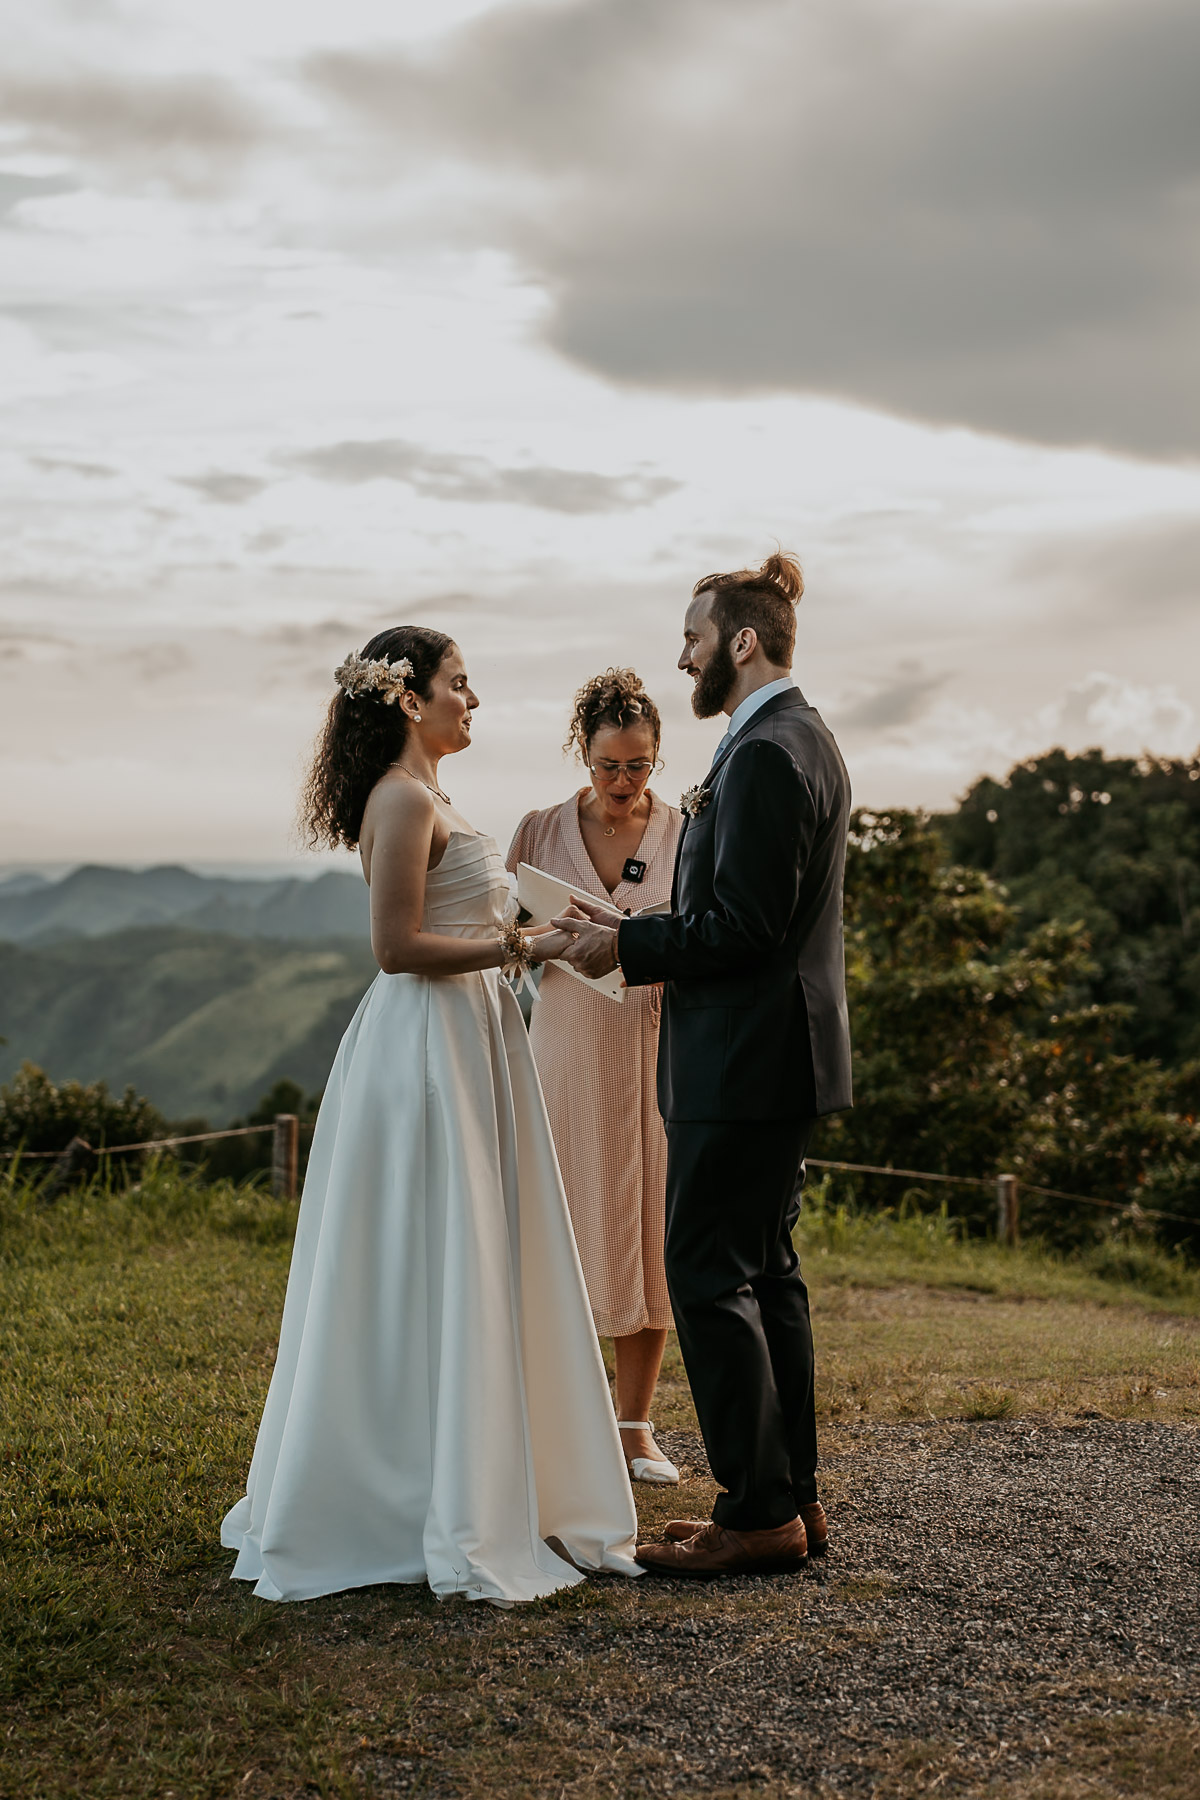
pixel 694 801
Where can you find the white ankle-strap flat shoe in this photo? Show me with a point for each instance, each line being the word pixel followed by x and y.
pixel 654 1471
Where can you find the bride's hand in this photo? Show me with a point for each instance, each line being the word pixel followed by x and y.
pixel 548 946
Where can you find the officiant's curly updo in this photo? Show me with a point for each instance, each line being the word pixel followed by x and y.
pixel 365 730
pixel 616 698
pixel 765 599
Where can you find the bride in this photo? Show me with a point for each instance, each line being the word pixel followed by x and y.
pixel 439 1410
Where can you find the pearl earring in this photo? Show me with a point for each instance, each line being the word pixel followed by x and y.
pixel 416 718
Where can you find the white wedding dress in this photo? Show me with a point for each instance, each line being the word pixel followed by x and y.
pixel 439 1406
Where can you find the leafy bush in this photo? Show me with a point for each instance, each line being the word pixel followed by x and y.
pixel 38 1114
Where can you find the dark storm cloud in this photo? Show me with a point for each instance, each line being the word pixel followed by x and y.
pixel 190 131
pixel 982 216
pixel 224 486
pixel 472 478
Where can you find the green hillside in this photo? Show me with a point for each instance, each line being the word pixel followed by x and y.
pixel 199 1022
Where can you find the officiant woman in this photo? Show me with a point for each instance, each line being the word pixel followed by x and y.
pixel 614 839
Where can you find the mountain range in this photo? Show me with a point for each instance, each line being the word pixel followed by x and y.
pixel 201 991
pixel 202 1023
pixel 95 901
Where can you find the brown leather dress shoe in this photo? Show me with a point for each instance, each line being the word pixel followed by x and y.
pixel 678 1531
pixel 714 1551
pixel 816 1528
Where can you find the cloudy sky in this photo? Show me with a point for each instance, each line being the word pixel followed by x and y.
pixel 516 318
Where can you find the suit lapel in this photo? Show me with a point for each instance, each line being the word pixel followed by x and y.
pixel 678 854
pixel 777 703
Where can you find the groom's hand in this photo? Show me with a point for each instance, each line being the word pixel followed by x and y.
pixel 594 951
pixel 595 910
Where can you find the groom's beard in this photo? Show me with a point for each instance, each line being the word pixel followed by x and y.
pixel 714 683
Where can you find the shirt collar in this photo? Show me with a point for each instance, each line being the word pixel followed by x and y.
pixel 743 714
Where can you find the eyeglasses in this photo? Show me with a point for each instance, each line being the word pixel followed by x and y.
pixel 608 771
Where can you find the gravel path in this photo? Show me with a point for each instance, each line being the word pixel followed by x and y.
pixel 986 1584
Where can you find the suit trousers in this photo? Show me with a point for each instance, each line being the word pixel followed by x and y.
pixel 741 1310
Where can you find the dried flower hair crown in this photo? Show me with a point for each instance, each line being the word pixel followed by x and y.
pixel 360 675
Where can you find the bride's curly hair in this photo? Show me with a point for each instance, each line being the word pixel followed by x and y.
pixel 615 698
pixel 362 738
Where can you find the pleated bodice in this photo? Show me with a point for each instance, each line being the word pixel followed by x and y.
pixel 468 894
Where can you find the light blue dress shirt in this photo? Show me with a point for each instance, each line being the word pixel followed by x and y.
pixel 743 714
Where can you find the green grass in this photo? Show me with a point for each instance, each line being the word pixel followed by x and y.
pixel 137 1332
pixel 918 1320
pixel 915 1243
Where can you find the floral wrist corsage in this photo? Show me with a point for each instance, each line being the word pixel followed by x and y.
pixel 516 952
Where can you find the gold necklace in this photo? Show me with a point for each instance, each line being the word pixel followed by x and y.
pixel 425 784
pixel 608 830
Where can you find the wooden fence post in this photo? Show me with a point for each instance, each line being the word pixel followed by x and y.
pixel 1008 1210
pixel 77 1157
pixel 285 1156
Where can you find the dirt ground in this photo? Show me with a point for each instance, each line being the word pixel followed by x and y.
pixel 1007 1607
pixel 1019 1578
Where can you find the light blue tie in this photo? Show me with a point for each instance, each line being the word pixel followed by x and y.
pixel 720 749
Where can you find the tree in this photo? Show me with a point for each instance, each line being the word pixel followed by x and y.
pixel 976 1049
pixel 1113 844
pixel 239 1158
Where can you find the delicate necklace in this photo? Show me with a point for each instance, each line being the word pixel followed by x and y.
pixel 426 784
pixel 608 830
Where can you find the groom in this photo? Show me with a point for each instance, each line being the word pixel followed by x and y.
pixel 755 1048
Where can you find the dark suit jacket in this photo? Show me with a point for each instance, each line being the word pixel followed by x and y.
pixel 754 1008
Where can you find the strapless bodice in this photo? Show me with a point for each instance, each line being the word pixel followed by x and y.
pixel 468 893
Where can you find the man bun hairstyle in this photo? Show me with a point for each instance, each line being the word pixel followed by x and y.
pixel 764 599
pixel 616 698
pixel 362 737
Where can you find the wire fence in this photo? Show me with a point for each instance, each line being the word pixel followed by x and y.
pixel 198 1137
pixel 285 1151
pixel 1006 1197
pixel 285 1157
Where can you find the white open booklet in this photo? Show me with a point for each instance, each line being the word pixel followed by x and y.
pixel 545 897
